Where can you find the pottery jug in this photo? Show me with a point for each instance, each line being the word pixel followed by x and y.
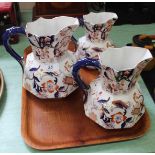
pixel 114 99
pixel 47 69
pixel 97 27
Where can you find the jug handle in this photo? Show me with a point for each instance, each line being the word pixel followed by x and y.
pixel 86 62
pixel 81 22
pixel 6 35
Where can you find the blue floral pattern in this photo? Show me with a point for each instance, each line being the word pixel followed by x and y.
pixel 48 68
pixel 96 38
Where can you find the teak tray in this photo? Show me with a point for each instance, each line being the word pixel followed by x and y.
pixel 61 123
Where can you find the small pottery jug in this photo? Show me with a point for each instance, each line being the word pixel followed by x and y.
pixel 47 69
pixel 97 27
pixel 114 98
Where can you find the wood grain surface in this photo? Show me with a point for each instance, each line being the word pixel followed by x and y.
pixel 61 123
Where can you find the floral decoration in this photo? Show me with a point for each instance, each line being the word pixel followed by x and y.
pixel 114 111
pixel 44 69
pixel 95 41
pixel 98 32
pixel 122 81
pixel 57 44
pixel 118 118
pixel 50 86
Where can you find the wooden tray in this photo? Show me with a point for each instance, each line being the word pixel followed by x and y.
pixel 61 123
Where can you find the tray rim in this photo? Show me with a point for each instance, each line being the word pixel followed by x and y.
pixel 72 144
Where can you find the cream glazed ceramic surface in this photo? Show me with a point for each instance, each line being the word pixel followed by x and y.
pixel 47 70
pixel 97 27
pixel 114 99
pixel 114 111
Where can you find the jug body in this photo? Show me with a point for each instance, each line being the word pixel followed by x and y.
pixel 115 100
pixel 97 27
pixel 47 69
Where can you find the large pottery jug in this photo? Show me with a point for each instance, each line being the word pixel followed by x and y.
pixel 47 69
pixel 114 98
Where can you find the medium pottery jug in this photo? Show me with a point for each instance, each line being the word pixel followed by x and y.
pixel 114 99
pixel 97 27
pixel 47 69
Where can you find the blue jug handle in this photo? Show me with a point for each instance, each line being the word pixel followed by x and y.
pixel 81 21
pixel 6 35
pixel 86 62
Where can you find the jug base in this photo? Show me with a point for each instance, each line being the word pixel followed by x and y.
pixel 114 111
pixel 49 80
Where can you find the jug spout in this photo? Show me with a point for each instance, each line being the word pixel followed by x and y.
pixel 121 67
pixel 50 37
pixel 98 25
